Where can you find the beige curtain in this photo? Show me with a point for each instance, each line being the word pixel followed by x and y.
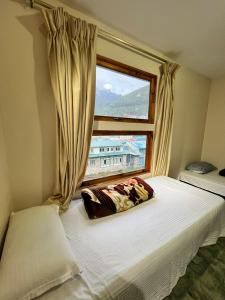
pixel 72 62
pixel 164 120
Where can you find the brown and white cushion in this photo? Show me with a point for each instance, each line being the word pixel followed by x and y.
pixel 104 201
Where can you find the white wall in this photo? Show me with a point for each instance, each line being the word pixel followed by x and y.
pixel 214 139
pixel 28 115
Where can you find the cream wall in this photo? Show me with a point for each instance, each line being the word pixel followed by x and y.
pixel 5 198
pixel 28 108
pixel 190 109
pixel 214 138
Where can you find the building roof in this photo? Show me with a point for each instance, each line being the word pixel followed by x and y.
pixel 128 148
pixel 140 144
pixel 96 143
pixel 110 154
pixel 132 148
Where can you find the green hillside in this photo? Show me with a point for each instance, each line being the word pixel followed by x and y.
pixel 133 104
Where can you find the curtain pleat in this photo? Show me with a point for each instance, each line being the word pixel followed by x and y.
pixel 72 63
pixel 164 120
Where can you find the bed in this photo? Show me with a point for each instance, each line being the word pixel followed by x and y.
pixel 211 182
pixel 141 253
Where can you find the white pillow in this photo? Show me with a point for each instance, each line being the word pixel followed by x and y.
pixel 36 255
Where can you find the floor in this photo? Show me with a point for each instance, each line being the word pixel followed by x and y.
pixel 205 276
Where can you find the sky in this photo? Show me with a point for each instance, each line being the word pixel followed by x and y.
pixel 116 82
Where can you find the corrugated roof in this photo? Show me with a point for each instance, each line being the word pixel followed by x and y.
pixel 96 143
pixel 132 148
pixel 110 154
pixel 140 144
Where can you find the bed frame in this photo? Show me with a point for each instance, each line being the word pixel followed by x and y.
pixel 203 189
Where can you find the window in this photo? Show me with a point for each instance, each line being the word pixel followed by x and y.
pixel 105 162
pixel 126 95
pixel 134 159
pixel 123 93
pixel 117 161
pixel 92 162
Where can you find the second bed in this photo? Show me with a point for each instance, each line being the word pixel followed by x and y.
pixel 211 182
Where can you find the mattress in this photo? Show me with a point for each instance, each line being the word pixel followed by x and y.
pixel 141 253
pixel 211 181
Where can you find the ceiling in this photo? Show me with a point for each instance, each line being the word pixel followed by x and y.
pixel 192 32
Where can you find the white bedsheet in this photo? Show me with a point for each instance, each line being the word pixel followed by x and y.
pixel 141 253
pixel 211 181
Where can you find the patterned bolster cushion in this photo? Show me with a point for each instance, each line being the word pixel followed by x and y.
pixel 104 201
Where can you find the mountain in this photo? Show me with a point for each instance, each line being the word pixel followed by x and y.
pixel 130 105
pixel 105 96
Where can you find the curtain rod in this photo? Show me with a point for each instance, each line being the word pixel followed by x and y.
pixel 109 37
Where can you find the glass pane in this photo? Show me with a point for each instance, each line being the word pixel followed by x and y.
pixel 120 95
pixel 111 155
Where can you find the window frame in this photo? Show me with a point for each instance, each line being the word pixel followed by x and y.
pixel 148 155
pixel 131 71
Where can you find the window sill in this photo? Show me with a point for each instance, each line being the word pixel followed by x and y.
pixel 142 175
